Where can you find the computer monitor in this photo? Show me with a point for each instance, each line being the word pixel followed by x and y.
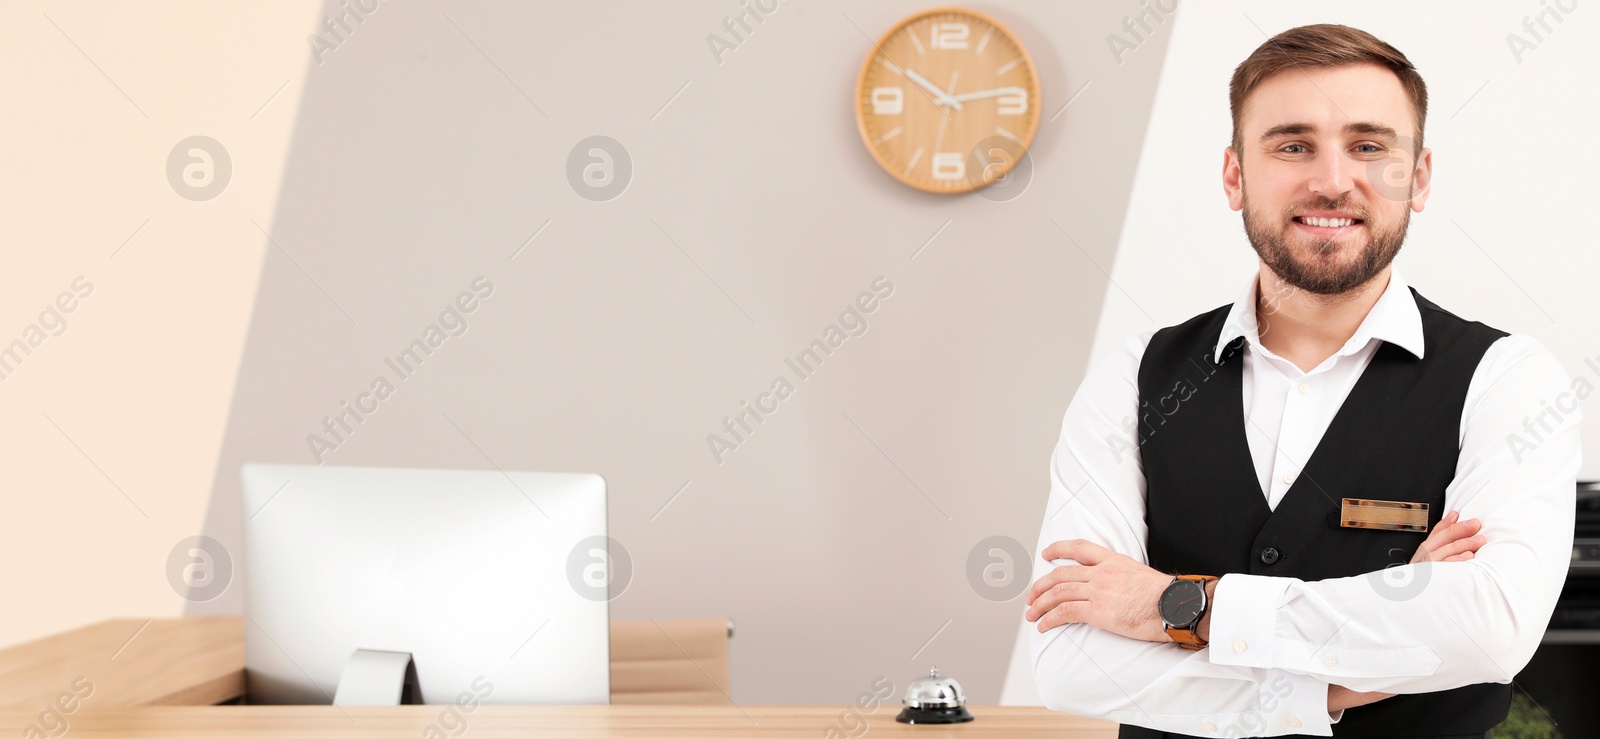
pixel 494 582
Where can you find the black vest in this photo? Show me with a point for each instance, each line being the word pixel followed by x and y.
pixel 1396 437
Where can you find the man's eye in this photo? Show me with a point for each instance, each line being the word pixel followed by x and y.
pixel 1369 148
pixel 1293 149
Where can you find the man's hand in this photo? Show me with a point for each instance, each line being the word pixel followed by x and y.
pixel 1106 589
pixel 1452 540
pixel 1340 698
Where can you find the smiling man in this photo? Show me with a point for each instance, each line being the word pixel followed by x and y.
pixel 1300 514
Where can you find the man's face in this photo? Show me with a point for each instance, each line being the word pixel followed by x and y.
pixel 1327 174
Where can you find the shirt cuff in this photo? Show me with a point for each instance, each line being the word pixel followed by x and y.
pixel 1244 620
pixel 1305 708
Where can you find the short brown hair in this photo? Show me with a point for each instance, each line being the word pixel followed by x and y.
pixel 1321 46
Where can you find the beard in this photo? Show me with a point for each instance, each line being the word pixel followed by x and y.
pixel 1321 272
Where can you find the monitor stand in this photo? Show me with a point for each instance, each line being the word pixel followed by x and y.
pixel 377 678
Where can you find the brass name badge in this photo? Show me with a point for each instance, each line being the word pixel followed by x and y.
pixel 1360 513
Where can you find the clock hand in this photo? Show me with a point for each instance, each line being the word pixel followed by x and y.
pixel 987 94
pixel 943 98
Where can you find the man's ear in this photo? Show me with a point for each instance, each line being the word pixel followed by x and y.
pixel 1422 180
pixel 1232 178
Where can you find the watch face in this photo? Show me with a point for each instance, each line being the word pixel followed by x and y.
pixel 1182 601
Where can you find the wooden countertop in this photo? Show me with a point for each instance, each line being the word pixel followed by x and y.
pixel 541 722
pixel 161 677
pixel 130 662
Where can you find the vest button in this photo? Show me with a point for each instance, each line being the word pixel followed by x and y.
pixel 1269 555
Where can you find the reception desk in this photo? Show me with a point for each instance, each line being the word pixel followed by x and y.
pixel 163 677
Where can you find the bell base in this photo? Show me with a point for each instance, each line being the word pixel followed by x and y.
pixel 957 715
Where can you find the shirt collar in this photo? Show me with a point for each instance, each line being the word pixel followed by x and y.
pixel 1394 318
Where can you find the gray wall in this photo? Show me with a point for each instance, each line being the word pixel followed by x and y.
pixel 432 143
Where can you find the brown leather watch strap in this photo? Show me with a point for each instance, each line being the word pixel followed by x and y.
pixel 1186 637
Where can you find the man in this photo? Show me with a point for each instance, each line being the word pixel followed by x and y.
pixel 1287 444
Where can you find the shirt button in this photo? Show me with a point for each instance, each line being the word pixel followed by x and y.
pixel 1210 726
pixel 1294 722
pixel 1331 661
pixel 1288 478
pixel 1269 555
pixel 1240 646
pixel 1304 389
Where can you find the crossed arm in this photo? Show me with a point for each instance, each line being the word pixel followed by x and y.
pixel 1116 593
pixel 1289 655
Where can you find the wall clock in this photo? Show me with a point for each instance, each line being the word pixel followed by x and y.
pixel 947 101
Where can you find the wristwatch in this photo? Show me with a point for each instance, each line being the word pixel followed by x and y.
pixel 1182 605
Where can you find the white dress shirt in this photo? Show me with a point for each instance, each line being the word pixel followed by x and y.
pixel 1277 643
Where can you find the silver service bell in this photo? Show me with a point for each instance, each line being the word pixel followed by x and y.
pixel 934 700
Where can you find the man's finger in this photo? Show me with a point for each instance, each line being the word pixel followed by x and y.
pixel 1444 553
pixel 1068 573
pixel 1084 552
pixel 1440 533
pixel 1457 530
pixel 1072 612
pixel 1065 592
pixel 1447 531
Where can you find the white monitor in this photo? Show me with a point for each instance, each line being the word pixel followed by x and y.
pixel 488 579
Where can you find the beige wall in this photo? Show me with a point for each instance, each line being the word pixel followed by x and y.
pixel 427 148
pixel 110 430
